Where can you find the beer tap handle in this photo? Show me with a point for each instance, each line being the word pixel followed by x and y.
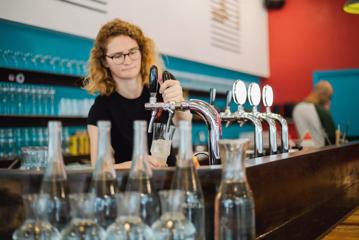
pixel 227 109
pixel 267 97
pixel 212 96
pixel 154 88
pixel 166 76
pixel 254 95
pixel 153 81
pixel 239 92
pixel 228 100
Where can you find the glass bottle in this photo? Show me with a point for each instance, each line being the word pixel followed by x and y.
pixel 104 182
pixel 36 226
pixel 140 176
pixel 83 225
pixel 234 204
pixel 54 182
pixel 129 224
pixel 173 224
pixel 186 179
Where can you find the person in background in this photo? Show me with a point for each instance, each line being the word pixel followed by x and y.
pixel 313 116
pixel 118 70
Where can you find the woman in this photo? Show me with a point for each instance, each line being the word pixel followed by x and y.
pixel 118 70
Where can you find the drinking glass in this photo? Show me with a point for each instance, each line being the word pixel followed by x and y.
pixel 34 158
pixel 161 142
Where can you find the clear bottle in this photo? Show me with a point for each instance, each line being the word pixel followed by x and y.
pixel 129 224
pixel 36 225
pixel 104 182
pixel 234 204
pixel 173 224
pixel 186 179
pixel 83 225
pixel 140 176
pixel 54 182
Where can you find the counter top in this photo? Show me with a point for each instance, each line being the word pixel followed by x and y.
pixel 298 195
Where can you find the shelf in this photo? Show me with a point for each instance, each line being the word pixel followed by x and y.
pixel 32 77
pixel 39 121
pixel 15 162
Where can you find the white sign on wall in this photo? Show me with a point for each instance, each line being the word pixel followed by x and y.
pixel 232 34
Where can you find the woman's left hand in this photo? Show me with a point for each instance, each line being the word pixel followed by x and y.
pixel 171 91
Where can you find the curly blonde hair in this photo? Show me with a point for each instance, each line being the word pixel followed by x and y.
pixel 99 78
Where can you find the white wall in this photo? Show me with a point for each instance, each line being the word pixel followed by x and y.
pixel 232 34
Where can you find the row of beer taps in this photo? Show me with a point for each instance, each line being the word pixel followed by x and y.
pixel 213 118
pixel 240 93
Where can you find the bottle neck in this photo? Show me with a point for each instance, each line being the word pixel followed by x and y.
pixel 232 157
pixel 185 151
pixel 140 167
pixel 104 168
pixel 55 166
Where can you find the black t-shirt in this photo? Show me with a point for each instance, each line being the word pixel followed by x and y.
pixel 122 112
pixel 327 123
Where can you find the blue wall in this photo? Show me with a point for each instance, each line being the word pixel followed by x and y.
pixel 344 105
pixel 19 39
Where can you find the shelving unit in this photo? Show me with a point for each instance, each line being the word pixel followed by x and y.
pixel 18 77
pixel 39 121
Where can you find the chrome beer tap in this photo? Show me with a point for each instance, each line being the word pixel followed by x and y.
pixel 267 98
pixel 239 93
pixel 254 98
pixel 227 110
pixel 154 88
pixel 209 115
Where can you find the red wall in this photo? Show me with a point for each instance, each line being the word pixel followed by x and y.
pixel 309 35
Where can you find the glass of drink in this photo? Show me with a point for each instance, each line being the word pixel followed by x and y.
pixel 161 142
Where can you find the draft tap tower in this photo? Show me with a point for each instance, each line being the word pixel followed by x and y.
pixel 254 98
pixel 267 98
pixel 206 111
pixel 239 93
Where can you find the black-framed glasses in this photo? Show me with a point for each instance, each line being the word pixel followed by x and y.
pixel 119 58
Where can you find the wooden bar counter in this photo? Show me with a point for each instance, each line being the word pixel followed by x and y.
pixel 300 195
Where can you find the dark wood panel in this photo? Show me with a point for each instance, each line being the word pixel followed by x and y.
pixel 297 196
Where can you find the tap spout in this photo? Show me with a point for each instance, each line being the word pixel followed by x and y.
pixel 284 129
